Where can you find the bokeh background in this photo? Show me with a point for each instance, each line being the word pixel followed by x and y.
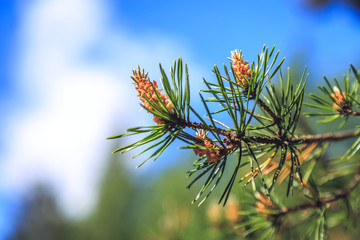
pixel 65 87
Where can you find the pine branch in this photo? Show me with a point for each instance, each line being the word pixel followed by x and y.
pixel 255 135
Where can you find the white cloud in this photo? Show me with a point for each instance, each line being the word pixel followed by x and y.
pixel 72 101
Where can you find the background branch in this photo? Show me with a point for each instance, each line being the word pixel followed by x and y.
pixel 323 201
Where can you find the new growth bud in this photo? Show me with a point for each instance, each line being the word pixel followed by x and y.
pixel 146 93
pixel 339 98
pixel 264 205
pixel 211 155
pixel 240 68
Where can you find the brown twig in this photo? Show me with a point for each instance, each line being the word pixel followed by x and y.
pixel 276 118
pixel 236 139
pixel 326 137
pixel 323 201
pixel 349 112
pixel 268 110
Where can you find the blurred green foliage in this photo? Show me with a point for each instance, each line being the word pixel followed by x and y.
pixel 161 210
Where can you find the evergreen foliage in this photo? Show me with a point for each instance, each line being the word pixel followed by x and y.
pixel 263 146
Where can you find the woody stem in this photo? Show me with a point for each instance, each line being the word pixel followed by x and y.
pixel 349 112
pixel 323 201
pixel 236 139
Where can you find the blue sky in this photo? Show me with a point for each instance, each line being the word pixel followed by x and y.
pixel 65 66
pixel 211 29
pixel 8 25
